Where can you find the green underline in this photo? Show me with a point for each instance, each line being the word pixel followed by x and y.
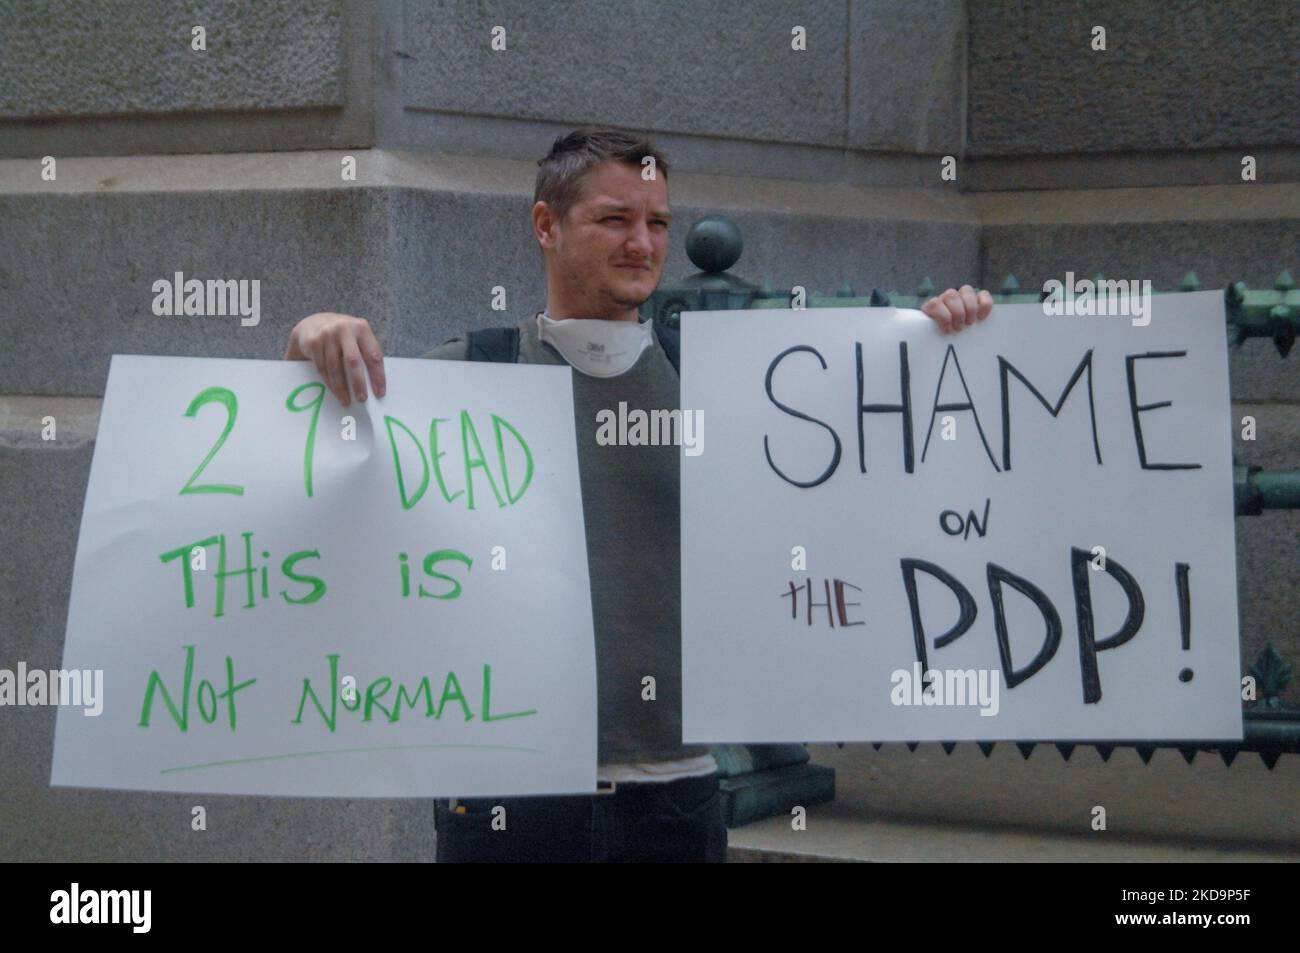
pixel 318 754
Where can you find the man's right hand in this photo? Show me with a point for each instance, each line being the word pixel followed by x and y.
pixel 342 347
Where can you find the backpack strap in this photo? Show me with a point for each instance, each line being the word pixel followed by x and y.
pixel 671 341
pixel 498 345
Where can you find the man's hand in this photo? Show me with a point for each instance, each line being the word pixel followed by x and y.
pixel 958 308
pixel 342 348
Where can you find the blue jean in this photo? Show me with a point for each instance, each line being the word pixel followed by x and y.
pixel 676 821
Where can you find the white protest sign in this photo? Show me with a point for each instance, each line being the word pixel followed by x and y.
pixel 291 597
pixel 1038 511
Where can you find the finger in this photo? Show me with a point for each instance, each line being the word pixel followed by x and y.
pixel 941 315
pixel 971 304
pixel 334 372
pixel 373 355
pixel 292 351
pixel 353 366
pixel 315 351
pixel 952 300
pixel 928 310
pixel 985 304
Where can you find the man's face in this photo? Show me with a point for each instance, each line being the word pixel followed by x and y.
pixel 608 253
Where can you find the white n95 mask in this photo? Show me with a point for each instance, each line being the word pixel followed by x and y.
pixel 596 347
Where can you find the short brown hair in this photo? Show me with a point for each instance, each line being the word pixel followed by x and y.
pixel 559 174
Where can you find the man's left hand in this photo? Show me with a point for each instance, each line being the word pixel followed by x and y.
pixel 958 308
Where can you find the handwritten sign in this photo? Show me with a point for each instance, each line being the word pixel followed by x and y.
pixel 1024 531
pixel 291 597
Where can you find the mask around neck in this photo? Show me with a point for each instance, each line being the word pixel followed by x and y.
pixel 596 347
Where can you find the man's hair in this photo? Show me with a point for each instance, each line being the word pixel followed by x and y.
pixel 559 174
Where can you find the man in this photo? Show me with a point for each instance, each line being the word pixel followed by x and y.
pixel 602 220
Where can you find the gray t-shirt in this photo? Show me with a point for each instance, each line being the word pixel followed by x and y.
pixel 630 502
